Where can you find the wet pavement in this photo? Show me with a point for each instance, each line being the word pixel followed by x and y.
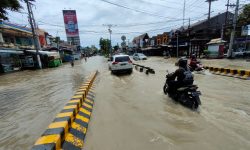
pixel 223 63
pixel 31 99
pixel 228 63
pixel 131 112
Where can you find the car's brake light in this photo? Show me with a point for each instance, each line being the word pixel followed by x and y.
pixel 113 63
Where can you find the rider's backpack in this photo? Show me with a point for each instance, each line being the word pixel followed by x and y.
pixel 189 78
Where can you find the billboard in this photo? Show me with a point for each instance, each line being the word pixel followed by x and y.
pixel 70 22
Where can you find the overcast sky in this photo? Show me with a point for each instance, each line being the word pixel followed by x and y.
pixel 129 17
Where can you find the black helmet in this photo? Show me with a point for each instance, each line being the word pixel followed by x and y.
pixel 182 62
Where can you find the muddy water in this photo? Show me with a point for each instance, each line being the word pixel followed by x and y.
pixel 131 112
pixel 29 100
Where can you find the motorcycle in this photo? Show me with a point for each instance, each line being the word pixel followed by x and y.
pixel 198 67
pixel 187 96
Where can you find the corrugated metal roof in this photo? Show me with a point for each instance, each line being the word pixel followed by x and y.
pixel 9 25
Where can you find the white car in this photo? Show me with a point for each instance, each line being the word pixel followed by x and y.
pixel 139 56
pixel 120 63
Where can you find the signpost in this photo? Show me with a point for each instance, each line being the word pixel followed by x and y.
pixel 71 27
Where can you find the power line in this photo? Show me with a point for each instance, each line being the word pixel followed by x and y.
pixel 165 6
pixel 136 10
pixel 90 31
pixel 117 25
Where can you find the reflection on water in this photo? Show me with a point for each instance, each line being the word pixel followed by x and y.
pixel 30 100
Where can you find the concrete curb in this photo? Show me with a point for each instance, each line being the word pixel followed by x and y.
pixel 141 68
pixel 236 73
pixel 72 121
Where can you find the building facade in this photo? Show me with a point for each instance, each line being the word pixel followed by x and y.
pixel 15 36
pixel 141 41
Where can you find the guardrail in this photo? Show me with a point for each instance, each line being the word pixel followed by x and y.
pixel 141 68
pixel 69 127
pixel 237 73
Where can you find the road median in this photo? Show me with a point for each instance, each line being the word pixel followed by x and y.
pixel 69 127
pixel 236 73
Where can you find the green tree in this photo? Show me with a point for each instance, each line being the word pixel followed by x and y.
pixel 104 46
pixel 243 19
pixel 12 5
pixel 116 47
pixel 94 50
pixel 244 16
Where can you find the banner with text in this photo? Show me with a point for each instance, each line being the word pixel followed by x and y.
pixel 70 22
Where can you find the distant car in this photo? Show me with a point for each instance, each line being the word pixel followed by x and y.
pixel 139 56
pixel 119 63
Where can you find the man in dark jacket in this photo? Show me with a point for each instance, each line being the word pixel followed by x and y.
pixel 183 75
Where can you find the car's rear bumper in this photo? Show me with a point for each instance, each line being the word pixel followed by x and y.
pixel 121 69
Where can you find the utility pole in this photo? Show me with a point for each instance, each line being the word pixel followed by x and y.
pixel 209 9
pixel 177 45
pixel 225 22
pixel 110 32
pixel 184 9
pixel 233 31
pixel 57 40
pixel 189 37
pixel 226 12
pixel 222 32
pixel 35 36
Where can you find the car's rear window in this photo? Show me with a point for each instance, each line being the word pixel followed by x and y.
pixel 122 59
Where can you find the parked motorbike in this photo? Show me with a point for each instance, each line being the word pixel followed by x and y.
pixel 188 96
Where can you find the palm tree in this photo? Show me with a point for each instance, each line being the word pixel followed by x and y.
pixel 13 5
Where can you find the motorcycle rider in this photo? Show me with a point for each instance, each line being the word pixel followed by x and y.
pixel 183 74
pixel 193 62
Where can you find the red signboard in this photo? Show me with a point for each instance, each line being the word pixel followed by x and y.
pixel 70 22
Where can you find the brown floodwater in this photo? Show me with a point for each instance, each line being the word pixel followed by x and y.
pixel 131 112
pixel 29 100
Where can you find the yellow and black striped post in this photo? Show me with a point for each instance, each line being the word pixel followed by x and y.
pixel 242 74
pixel 69 127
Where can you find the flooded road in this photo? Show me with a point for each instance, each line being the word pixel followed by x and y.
pixel 131 112
pixel 31 99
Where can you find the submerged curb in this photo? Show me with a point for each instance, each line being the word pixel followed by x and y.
pixel 69 127
pixel 236 73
